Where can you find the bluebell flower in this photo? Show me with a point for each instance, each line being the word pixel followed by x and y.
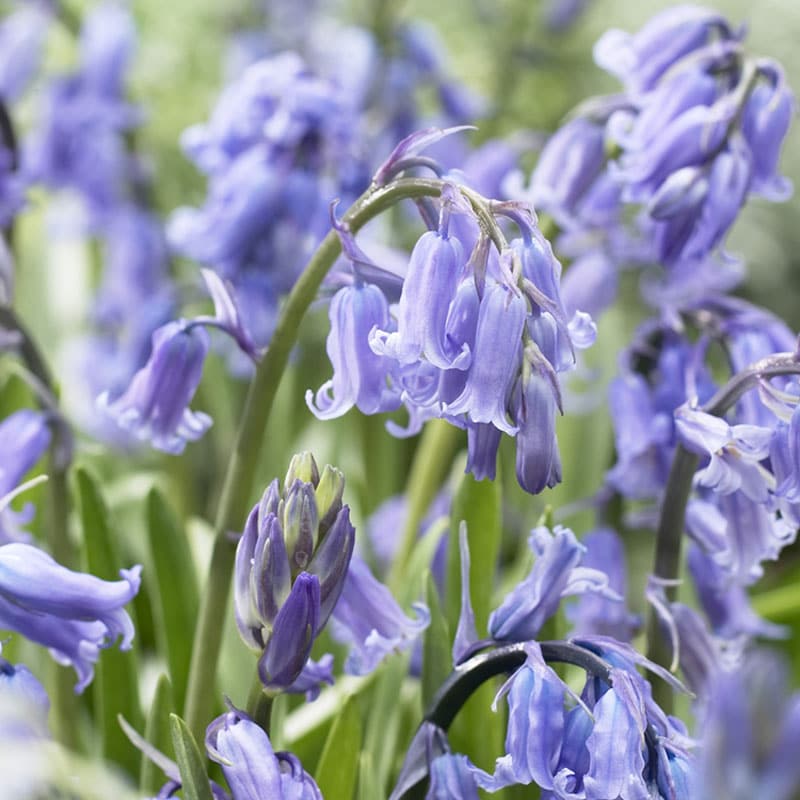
pixel 556 573
pixel 767 115
pixel 22 35
pixel 155 405
pixel 71 613
pixel 369 619
pixel 640 59
pixel 593 613
pixel 79 142
pixel 749 725
pixel 251 767
pixel 18 681
pixel 451 779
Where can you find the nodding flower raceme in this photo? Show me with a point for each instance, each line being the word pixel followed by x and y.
pixel 478 336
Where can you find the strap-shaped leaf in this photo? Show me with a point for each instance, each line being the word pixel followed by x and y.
pixel 190 762
pixel 116 689
pixel 337 770
pixel 436 658
pixel 175 587
pixel 157 732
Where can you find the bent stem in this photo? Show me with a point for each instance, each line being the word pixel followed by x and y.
pixel 201 695
pixel 669 535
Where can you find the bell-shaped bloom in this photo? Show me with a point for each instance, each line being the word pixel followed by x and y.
pixel 535 726
pixel 569 163
pixel 155 405
pixel 535 405
pixel 72 613
pixel 369 619
pixel 24 437
pixel 496 359
pixel 749 725
pixel 767 116
pixel 639 60
pixel 251 767
pixel 22 36
pixel 483 441
pixel 734 452
pixel 556 573
pixel 433 274
pixel 451 779
pixel 359 374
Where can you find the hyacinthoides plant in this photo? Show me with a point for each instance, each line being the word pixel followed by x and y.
pixel 476 333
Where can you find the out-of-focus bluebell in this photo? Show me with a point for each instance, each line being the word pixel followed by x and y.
pixel 19 683
pixel 749 725
pixel 155 406
pixel 251 767
pixel 22 35
pixel 368 618
pixel 79 141
pixel 451 779
pixel 73 614
pixel 25 435
pixel 594 613
pixel 557 572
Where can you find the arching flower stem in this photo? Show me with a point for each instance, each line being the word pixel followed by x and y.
pixel 238 483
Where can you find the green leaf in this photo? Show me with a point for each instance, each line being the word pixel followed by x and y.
pixel 338 765
pixel 478 503
pixel 190 762
pixel 476 730
pixel 115 687
pixel 157 732
pixel 436 658
pixel 175 589
pixel 368 786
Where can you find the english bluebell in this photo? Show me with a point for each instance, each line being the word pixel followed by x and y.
pixel 252 769
pixel 71 613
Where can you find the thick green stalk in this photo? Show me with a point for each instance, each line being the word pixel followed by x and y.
pixel 238 485
pixel 669 536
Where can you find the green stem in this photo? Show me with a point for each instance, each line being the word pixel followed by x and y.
pixel 259 705
pixel 201 694
pixel 430 466
pixel 669 536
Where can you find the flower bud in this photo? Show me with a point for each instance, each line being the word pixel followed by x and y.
pixel 328 494
pixel 300 524
pixel 303 468
pixel 331 560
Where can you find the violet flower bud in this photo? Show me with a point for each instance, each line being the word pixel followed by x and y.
pixel 300 524
pixel 289 645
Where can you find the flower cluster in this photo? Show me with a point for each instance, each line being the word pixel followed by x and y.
pixel 478 335
pixel 278 147
pixel 697 130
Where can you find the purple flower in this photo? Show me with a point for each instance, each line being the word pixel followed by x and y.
pixel 556 573
pixel 72 613
pixel 640 59
pixel 251 767
pixel 22 35
pixel 359 374
pixel 496 359
pixel 24 437
pixel 594 613
pixel 155 405
pixel 451 779
pixel 368 618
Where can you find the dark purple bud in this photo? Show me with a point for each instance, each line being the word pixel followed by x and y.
pixel 300 524
pixel 331 561
pixel 292 635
